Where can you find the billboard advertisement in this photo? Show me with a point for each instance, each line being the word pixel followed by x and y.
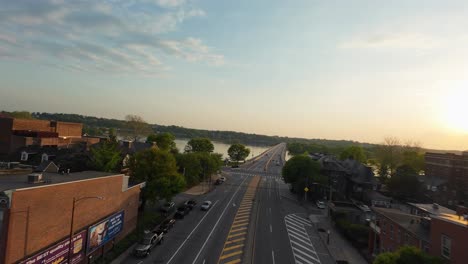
pixel 58 253
pixel 104 231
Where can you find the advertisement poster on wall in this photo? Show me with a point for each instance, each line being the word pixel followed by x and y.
pixel 104 231
pixel 58 253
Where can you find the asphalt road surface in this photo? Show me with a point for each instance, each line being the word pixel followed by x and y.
pixel 204 236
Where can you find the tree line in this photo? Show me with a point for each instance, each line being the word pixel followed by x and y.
pixel 97 126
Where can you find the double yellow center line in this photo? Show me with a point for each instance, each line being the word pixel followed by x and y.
pixel 234 246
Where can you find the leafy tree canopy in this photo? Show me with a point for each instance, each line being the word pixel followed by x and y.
pixel 406 255
pixel 106 155
pixel 159 170
pixel 238 152
pixel 354 152
pixel 199 145
pixel 301 171
pixel 164 141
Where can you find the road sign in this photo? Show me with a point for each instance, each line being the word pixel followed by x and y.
pixel 306 189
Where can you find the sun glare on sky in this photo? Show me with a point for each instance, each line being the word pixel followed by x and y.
pixel 456 110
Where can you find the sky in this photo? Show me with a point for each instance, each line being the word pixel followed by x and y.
pixel 355 70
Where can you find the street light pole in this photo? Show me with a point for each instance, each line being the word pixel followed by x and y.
pixel 72 220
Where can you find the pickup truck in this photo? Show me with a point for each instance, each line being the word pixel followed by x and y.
pixel 150 240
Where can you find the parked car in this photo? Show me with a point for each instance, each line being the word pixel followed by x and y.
pixel 218 182
pixel 190 204
pixel 149 240
pixel 320 204
pixel 182 211
pixel 223 179
pixel 166 225
pixel 206 205
pixel 167 207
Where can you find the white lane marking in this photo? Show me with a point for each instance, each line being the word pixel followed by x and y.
pixel 204 261
pixel 185 241
pixel 271 229
pixel 217 222
pixel 302 248
pixel 140 262
pixel 273 256
pixel 269 209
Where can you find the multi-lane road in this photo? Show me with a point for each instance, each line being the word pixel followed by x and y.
pixel 250 222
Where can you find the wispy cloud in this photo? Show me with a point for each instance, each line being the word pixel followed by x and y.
pixel 118 36
pixel 400 40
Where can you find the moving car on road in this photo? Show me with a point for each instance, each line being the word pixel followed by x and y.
pixel 218 182
pixel 149 240
pixel 223 179
pixel 206 205
pixel 182 211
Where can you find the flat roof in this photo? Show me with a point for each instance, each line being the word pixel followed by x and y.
pixel 429 208
pixel 20 181
pixel 452 218
pixel 407 221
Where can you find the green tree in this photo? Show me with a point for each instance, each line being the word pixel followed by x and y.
pixel 301 171
pixel 106 155
pixel 164 141
pixel 414 159
pixel 238 152
pixel 199 145
pixel 407 255
pixel 21 115
pixel 354 152
pixel 159 170
pixel 405 182
pixel 189 165
pixel 197 166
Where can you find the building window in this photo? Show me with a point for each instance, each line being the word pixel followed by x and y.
pixel 384 227
pixel 399 236
pixel 446 246
pixel 391 231
pixel 24 156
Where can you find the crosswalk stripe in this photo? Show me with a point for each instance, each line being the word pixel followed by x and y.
pixel 305 260
pixel 303 249
pixel 301 220
pixel 297 234
pixel 300 245
pixel 294 223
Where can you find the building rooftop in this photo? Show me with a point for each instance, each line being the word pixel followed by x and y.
pixel 412 223
pixel 433 209
pixel 20 181
pixel 453 218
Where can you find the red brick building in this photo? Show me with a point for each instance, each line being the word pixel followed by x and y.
pixel 17 133
pixel 37 211
pixel 447 178
pixel 435 230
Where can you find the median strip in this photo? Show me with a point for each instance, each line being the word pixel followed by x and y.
pixel 233 249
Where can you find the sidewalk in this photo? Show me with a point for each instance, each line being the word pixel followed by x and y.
pixel 338 246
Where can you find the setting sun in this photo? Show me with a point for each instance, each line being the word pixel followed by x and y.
pixel 456 110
